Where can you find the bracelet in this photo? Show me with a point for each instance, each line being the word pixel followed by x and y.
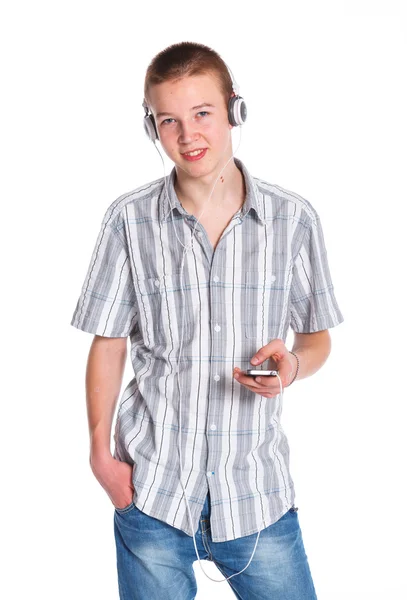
pixel 298 366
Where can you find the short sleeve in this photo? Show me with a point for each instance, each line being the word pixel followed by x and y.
pixel 313 304
pixel 107 303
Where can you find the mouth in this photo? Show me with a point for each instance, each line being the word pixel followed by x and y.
pixel 194 154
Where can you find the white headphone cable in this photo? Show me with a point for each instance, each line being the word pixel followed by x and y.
pixel 186 248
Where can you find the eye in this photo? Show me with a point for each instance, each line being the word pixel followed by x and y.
pixel 203 112
pixel 165 122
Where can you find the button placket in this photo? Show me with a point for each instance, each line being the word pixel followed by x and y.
pixel 215 290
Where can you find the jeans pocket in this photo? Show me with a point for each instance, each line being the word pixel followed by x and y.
pixel 125 509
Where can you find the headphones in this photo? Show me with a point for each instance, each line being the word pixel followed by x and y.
pixel 237 113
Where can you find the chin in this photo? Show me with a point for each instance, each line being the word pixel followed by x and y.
pixel 195 172
pixel 198 168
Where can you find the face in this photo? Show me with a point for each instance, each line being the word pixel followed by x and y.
pixel 191 114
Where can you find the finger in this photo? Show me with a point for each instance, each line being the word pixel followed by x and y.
pixel 267 381
pixel 266 384
pixel 266 393
pixel 275 349
pixel 258 389
pixel 246 379
pixel 242 376
pixel 249 383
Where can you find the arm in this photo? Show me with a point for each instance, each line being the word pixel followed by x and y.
pixel 104 374
pixel 312 350
pixel 107 308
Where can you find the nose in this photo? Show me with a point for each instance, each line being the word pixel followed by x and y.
pixel 187 133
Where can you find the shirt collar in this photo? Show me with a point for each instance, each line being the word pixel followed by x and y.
pixel 252 199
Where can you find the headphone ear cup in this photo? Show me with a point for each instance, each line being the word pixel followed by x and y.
pixel 150 128
pixel 237 111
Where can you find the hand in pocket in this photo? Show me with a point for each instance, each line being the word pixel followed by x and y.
pixel 115 477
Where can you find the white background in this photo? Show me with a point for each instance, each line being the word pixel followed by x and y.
pixel 325 86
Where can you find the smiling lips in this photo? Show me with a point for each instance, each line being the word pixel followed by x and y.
pixel 195 154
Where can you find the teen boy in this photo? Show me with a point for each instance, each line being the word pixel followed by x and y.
pixel 255 264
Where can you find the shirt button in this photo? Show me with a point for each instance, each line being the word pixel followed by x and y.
pixel 217 327
pixel 217 377
pixel 213 427
pixel 273 278
pixel 209 473
pixel 157 282
pixel 216 278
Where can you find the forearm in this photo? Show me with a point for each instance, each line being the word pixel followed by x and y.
pixel 104 374
pixel 312 350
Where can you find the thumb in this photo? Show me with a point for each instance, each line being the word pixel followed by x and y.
pixel 274 349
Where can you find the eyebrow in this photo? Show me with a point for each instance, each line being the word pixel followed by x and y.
pixel 162 114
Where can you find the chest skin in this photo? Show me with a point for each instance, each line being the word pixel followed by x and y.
pixel 214 227
pixel 215 219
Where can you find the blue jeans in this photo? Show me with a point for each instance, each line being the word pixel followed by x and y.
pixel 154 559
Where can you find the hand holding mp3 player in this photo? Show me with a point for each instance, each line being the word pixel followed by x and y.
pixel 266 387
pixel 268 383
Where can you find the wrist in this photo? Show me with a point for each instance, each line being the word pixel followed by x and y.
pixel 99 451
pixel 295 361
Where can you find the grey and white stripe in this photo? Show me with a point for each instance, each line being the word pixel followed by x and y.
pixel 268 272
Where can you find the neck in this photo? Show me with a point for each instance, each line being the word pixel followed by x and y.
pixel 228 194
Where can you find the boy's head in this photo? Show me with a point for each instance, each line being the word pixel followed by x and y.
pixel 187 59
pixel 187 89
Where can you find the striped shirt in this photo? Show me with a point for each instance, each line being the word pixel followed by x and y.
pixel 269 272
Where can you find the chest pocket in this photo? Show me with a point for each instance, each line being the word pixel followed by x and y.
pixel 161 310
pixel 266 302
pixel 154 285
